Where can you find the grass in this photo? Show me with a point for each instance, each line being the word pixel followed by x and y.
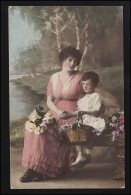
pixel 17 132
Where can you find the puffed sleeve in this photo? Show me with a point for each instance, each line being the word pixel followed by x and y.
pixel 97 102
pixel 49 88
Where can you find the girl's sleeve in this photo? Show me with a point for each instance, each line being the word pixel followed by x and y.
pixel 49 88
pixel 97 102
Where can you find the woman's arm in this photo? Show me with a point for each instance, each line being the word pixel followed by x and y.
pixel 52 106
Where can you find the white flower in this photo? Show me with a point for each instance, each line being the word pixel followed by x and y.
pixel 30 126
pixel 114 118
pixel 37 130
pixel 43 129
pixel 33 116
pixel 112 124
pixel 48 119
pixel 122 112
pixel 48 116
pixel 42 124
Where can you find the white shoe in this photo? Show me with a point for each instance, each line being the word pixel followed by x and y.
pixel 79 159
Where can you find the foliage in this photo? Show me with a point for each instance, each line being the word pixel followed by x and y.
pixel 100 18
pixel 112 80
pixel 53 21
pixel 40 111
pixel 76 123
pixel 29 59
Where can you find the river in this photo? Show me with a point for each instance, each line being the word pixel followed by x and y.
pixel 22 101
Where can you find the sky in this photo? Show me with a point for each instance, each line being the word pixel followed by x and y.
pixel 21 36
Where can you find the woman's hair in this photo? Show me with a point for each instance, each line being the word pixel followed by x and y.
pixel 91 75
pixel 70 51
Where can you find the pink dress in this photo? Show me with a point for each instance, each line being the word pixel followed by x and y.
pixel 51 153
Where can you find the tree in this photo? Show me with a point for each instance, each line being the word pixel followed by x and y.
pixel 53 19
pixel 89 23
pixel 29 60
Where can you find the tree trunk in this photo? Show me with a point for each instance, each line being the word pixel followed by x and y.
pixel 85 50
pixel 58 38
pixel 77 33
pixel 33 71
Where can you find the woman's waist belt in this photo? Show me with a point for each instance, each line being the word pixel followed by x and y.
pixel 57 100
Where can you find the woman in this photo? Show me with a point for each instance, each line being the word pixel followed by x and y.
pixel 50 154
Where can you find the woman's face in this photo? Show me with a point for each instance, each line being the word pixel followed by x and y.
pixel 69 63
pixel 88 86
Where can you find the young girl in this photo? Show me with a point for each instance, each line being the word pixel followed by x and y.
pixel 88 108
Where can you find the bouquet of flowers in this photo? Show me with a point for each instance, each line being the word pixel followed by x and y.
pixel 115 125
pixel 73 126
pixel 38 121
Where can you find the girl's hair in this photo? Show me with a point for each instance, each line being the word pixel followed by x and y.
pixel 91 75
pixel 70 51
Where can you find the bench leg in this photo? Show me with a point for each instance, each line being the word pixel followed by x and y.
pixel 119 151
pixel 119 173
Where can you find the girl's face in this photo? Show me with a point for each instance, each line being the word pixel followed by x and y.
pixel 69 64
pixel 88 86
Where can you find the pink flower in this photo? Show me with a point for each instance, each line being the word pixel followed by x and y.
pixel 121 119
pixel 121 128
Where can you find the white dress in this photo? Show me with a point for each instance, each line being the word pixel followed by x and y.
pixel 92 102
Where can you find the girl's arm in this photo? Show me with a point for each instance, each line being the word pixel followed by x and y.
pixel 72 114
pixel 94 113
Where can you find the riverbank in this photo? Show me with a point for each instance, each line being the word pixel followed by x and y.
pixel 110 88
pixel 37 83
pixel 111 80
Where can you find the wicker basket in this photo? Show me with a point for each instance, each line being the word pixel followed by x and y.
pixel 78 135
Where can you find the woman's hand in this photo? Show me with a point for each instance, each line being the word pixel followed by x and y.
pixel 62 114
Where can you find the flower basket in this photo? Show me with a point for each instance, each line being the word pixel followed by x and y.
pixel 77 135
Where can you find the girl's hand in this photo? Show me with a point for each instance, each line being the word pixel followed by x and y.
pixel 81 113
pixel 68 114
